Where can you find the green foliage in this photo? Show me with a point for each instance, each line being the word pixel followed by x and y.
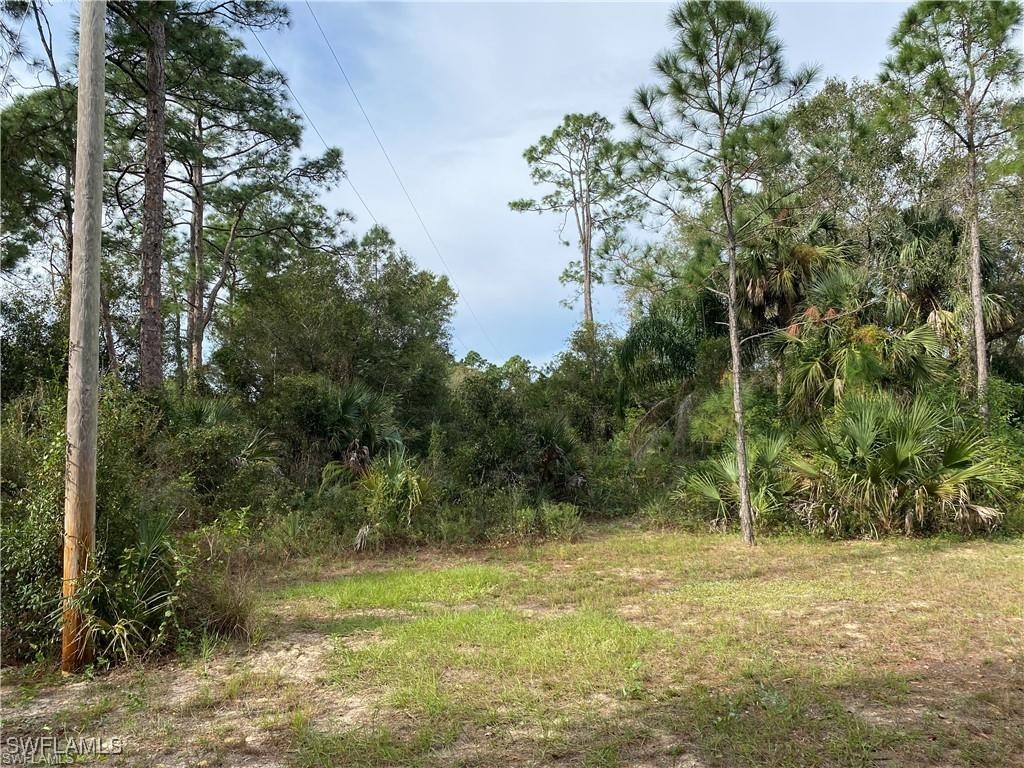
pixel 956 62
pixel 35 163
pixel 375 319
pixel 129 604
pixel 163 468
pixel 34 345
pixel 560 521
pixel 324 421
pixel 880 463
pixel 393 491
pixel 331 410
pixel 634 466
pixel 716 483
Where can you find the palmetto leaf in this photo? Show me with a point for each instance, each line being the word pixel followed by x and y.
pixel 900 461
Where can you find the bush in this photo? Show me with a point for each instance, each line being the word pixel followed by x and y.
pixel 548 519
pixel 130 600
pixel 560 521
pixel 473 515
pixel 217 604
pixel 879 464
pixel 162 466
pixel 714 486
pixel 391 490
pixel 628 471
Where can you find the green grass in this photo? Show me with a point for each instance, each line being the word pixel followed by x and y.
pixel 496 665
pixel 626 648
pixel 401 590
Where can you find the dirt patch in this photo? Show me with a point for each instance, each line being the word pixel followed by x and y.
pixel 298 657
pixel 662 749
pixel 231 711
pixel 651 579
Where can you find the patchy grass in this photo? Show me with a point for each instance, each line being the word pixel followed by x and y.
pixel 626 648
pixel 496 666
pixel 405 589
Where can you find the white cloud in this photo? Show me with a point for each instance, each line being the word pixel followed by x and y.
pixel 457 91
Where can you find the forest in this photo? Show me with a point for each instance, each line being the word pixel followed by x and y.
pixel 817 401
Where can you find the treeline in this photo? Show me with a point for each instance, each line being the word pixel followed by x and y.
pixel 825 287
pixel 838 270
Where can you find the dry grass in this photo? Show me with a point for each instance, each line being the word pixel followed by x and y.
pixel 626 648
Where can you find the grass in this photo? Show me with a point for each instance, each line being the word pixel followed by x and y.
pixel 626 648
pixel 405 589
pixel 494 665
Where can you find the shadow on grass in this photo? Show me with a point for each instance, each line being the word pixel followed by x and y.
pixel 951 716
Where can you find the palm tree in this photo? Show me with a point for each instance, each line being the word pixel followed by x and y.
pixel 776 268
pixel 663 350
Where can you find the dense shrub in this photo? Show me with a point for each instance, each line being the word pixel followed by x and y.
pixel 548 519
pixel 881 464
pixel 625 473
pixel 162 468
pixel 713 486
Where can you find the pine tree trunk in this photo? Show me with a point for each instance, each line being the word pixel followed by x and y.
pixel 974 272
pixel 151 320
pixel 83 367
pixel 746 513
pixel 179 355
pixel 588 305
pixel 197 292
pixel 113 364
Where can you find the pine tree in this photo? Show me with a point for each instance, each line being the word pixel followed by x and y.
pixel 723 77
pixel 956 64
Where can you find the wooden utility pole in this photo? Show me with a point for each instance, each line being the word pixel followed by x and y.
pixel 83 369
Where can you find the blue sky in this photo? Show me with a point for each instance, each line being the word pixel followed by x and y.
pixel 456 91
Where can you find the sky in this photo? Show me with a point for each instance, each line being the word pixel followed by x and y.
pixel 457 91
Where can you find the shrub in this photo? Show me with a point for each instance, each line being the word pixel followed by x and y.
pixel 714 486
pixel 161 466
pixel 879 464
pixel 392 491
pixel 628 471
pixel 561 521
pixel 323 421
pixel 215 604
pixel 130 600
pixel 474 515
pixel 547 519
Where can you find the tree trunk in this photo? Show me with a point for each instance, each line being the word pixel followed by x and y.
pixel 974 272
pixel 83 368
pixel 113 365
pixel 179 356
pixel 197 292
pixel 588 305
pixel 746 513
pixel 151 319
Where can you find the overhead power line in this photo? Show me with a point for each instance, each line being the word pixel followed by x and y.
pixel 327 146
pixel 309 119
pixel 401 183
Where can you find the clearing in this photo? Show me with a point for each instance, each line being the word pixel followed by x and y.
pixel 626 648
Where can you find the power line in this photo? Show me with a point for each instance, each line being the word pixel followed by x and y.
pixel 327 146
pixel 311 123
pixel 401 183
